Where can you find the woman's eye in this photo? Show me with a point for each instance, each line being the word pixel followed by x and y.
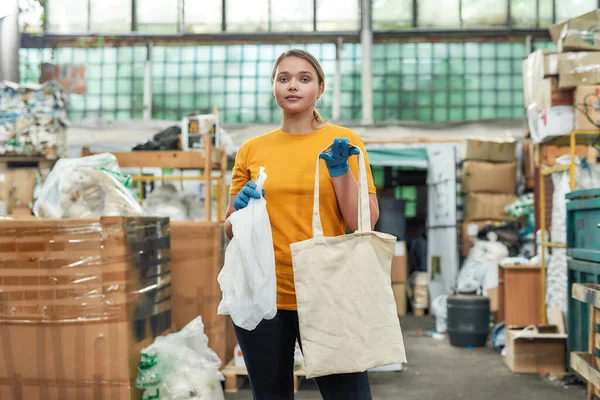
pixel 305 79
pixel 282 79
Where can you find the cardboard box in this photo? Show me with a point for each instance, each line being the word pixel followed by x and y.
pixel 549 94
pixel 587 104
pixel 553 121
pixel 399 264
pixel 551 152
pixel 579 33
pixel 487 206
pixel 579 69
pixel 494 296
pixel 16 188
pixel 539 349
pixel 529 162
pixel 79 299
pixel 487 150
pixel 537 66
pixel 72 391
pixel 470 230
pixel 488 177
pixel 521 293
pixel 401 298
pixel 557 29
pixel 196 260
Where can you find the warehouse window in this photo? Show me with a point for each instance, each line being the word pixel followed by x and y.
pixel 205 18
pixel 161 16
pixel 411 81
pixel 115 82
pixel 292 15
pixel 110 16
pixel 244 18
pixel 392 14
pixel 447 81
pixel 66 16
pixel 338 15
pixel 157 16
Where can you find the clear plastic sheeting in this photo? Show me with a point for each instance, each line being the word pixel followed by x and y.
pixel 33 119
pixel 80 270
pixel 167 201
pixel 88 187
pixel 78 297
pixel 181 366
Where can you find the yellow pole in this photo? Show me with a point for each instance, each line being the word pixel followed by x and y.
pixel 542 215
pixel 572 164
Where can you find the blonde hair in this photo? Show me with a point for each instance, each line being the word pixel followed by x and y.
pixel 305 55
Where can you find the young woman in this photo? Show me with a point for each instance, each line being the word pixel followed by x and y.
pixel 288 155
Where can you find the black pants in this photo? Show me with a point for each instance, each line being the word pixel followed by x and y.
pixel 269 356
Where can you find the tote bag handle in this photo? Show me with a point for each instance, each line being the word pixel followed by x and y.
pixel 364 211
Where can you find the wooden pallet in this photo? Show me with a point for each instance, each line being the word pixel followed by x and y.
pixel 236 376
pixel 586 364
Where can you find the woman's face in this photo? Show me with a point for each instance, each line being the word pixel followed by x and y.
pixel 296 86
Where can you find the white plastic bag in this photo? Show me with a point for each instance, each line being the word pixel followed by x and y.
pixel 248 280
pixel 439 308
pixel 87 187
pixel 181 366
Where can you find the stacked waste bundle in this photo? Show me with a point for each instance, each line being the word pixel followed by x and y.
pixel 562 89
pixel 33 119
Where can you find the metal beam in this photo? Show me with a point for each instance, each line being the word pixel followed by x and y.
pixel 336 109
pixel 406 35
pixel 366 39
pixel 9 43
pixel 148 83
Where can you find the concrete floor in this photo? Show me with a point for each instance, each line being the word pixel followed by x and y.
pixel 437 370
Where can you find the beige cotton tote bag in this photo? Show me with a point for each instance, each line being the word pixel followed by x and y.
pixel 346 307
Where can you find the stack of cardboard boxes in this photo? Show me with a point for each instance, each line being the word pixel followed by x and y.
pixel 562 90
pixel 79 299
pixel 489 182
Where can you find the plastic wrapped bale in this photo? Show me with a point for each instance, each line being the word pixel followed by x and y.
pixel 556 278
pixel 480 269
pixel 80 300
pixel 181 366
pixel 165 201
pixel 87 187
pixel 34 119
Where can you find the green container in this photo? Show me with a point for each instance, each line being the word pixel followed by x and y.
pixel 578 312
pixel 583 225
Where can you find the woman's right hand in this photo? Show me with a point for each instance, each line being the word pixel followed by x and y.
pixel 243 197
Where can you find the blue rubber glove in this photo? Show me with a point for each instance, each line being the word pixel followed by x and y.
pixel 243 197
pixel 337 160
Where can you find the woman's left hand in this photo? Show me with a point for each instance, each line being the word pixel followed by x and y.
pixel 337 160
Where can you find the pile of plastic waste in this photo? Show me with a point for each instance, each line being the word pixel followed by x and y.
pixel 181 366
pixel 33 119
